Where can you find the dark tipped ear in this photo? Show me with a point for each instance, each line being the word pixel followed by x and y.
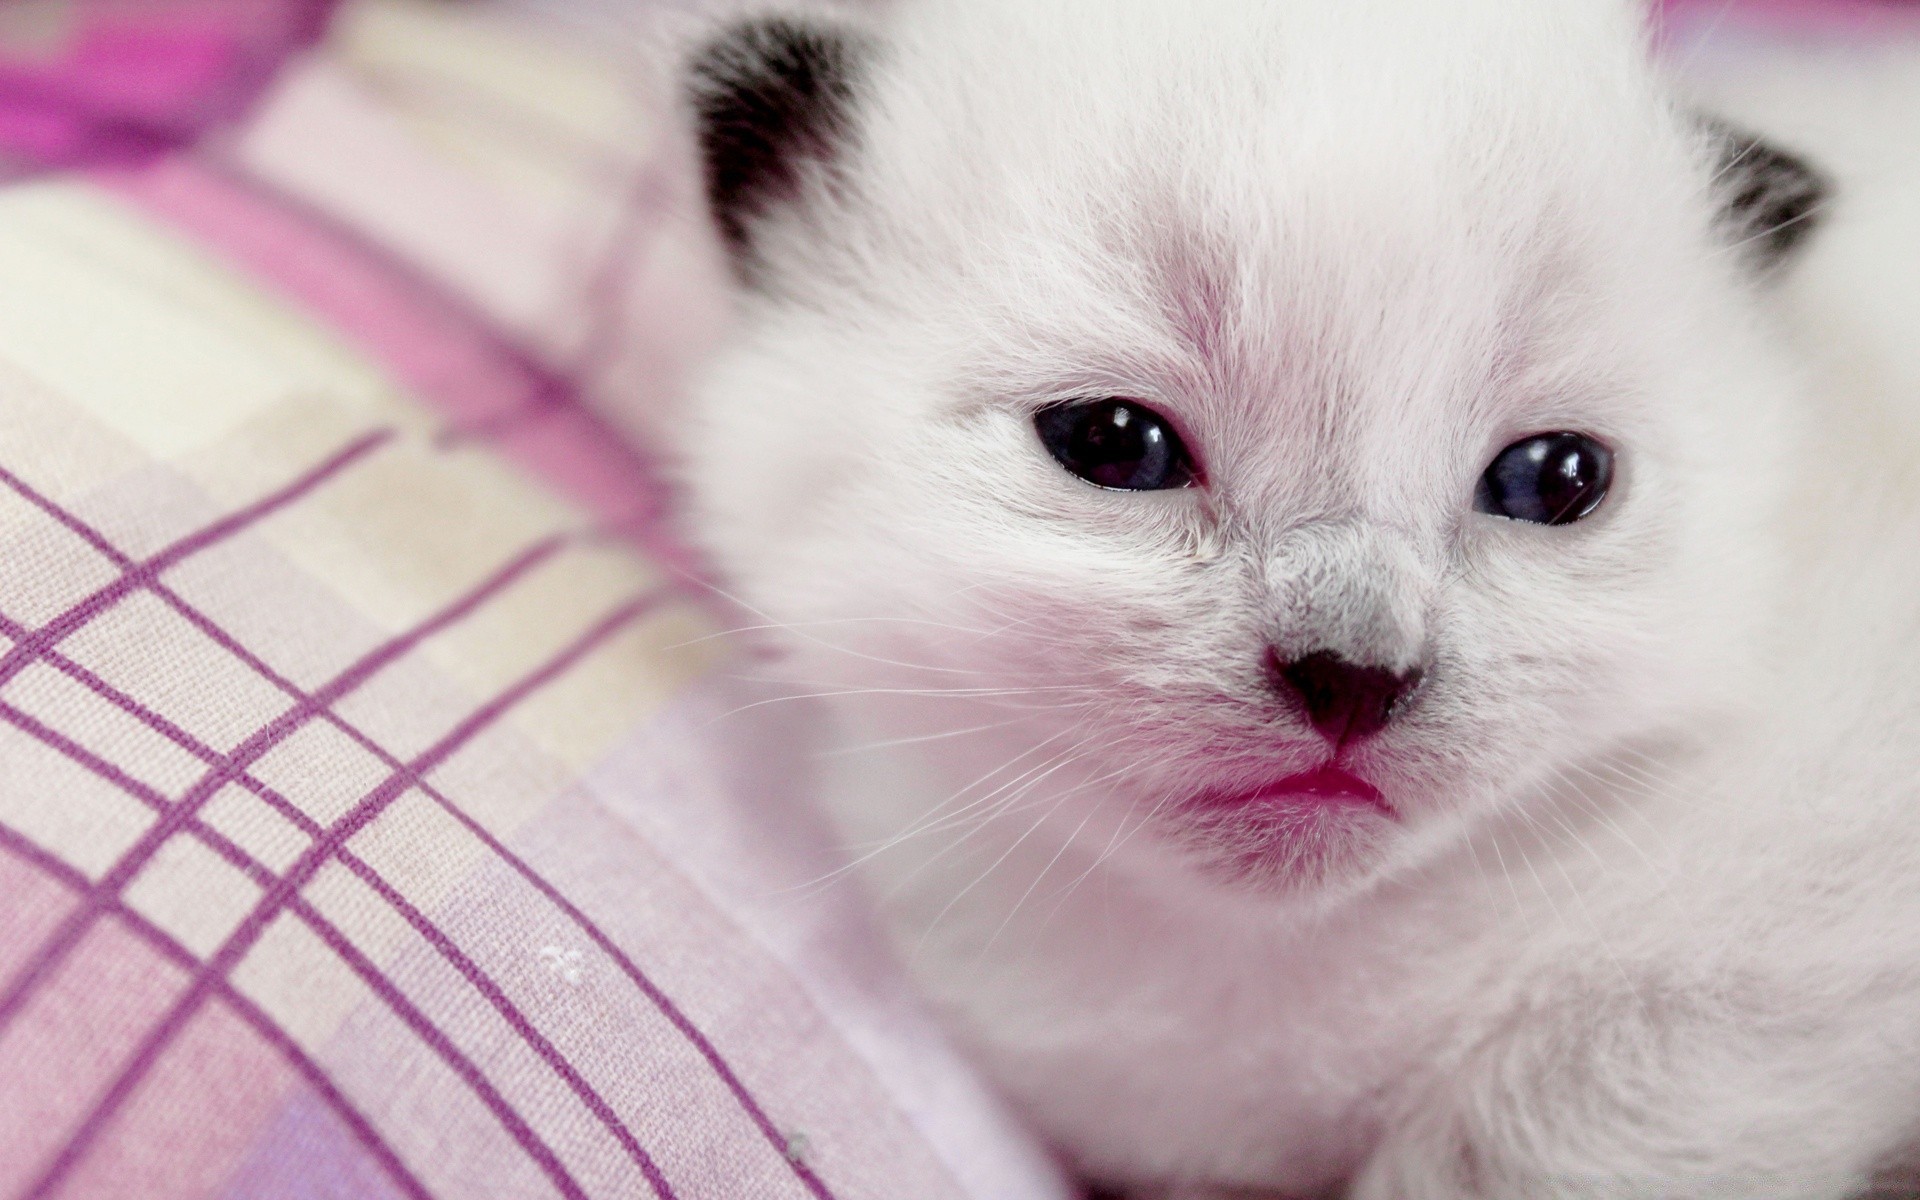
pixel 773 99
pixel 1770 200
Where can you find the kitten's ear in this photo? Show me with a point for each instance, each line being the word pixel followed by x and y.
pixel 1770 199
pixel 773 99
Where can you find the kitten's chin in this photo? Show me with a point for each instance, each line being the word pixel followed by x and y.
pixel 1325 840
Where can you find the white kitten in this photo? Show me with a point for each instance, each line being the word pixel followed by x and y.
pixel 1408 768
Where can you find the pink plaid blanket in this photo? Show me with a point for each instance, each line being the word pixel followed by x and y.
pixel 373 821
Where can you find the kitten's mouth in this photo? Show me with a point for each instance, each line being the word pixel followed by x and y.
pixel 1326 786
pixel 1309 828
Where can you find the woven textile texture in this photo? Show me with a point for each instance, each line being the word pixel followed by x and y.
pixel 375 817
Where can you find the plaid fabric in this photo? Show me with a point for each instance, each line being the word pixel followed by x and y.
pixel 86 80
pixel 373 820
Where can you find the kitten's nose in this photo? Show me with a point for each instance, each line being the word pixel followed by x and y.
pixel 1345 701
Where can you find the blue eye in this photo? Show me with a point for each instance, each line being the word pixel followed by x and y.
pixel 1548 479
pixel 1117 444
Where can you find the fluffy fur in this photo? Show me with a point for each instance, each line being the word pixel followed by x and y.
pixel 1641 921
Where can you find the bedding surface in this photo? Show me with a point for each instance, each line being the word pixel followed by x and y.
pixel 379 813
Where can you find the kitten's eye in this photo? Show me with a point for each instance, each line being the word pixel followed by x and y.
pixel 1549 479
pixel 1116 444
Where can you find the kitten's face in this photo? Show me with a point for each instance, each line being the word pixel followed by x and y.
pixel 1344 261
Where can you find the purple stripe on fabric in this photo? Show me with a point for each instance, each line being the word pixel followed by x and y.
pixel 34 645
pixel 110 903
pixel 279 237
pixel 642 210
pixel 552 391
pixel 219 530
pixel 181 816
pixel 413 775
pixel 59 868
pixel 665 1004
pixel 135 575
pixel 546 889
pixel 749 1104
pixel 101 899
pixel 329 933
pixel 357 1124
pixel 59 114
pixel 165 728
pixel 285 889
pixel 660 1000
pixel 808 1178
pixel 40 732
pixel 60 743
pixel 179 737
pixel 417 1022
pixel 333 937
pixel 176 817
pixel 481 982
pixel 365 872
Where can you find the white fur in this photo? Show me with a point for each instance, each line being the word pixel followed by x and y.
pixel 1648 922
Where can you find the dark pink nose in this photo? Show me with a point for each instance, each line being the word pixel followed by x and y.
pixel 1345 701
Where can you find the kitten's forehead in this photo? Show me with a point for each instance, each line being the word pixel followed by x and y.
pixel 1360 97
pixel 1357 206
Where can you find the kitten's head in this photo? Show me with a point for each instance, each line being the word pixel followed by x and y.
pixel 1301 428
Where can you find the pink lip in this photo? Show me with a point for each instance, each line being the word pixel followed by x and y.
pixel 1327 785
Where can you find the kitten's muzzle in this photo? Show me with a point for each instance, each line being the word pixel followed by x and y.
pixel 1345 701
